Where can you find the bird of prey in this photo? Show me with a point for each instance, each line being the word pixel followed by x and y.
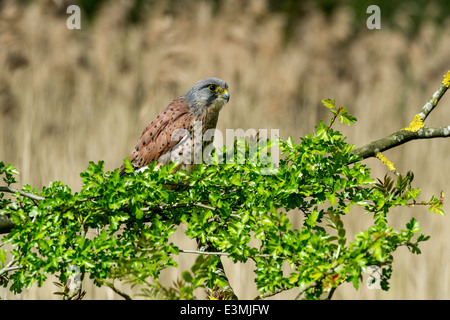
pixel 173 134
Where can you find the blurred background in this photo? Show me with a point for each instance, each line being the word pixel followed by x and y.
pixel 68 97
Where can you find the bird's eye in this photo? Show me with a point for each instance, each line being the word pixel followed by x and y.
pixel 213 88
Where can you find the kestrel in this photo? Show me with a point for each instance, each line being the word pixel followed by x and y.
pixel 173 134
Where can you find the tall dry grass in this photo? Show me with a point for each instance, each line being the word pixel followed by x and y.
pixel 68 97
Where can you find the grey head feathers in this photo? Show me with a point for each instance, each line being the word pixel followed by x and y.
pixel 206 93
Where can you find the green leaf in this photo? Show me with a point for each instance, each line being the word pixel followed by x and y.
pixel 332 198
pixel 328 103
pixel 312 218
pixel 186 275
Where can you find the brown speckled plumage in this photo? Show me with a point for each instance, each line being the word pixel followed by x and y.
pixel 162 139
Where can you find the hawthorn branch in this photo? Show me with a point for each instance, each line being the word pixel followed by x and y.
pixel 10 267
pixel 204 252
pixel 22 193
pixel 398 138
pixel 218 253
pixel 6 225
pixel 116 290
pixel 432 103
pixel 178 205
pixel 301 290
pixel 416 130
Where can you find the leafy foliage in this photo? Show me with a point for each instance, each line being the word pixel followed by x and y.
pixel 121 227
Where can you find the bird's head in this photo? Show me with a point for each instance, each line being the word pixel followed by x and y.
pixel 208 93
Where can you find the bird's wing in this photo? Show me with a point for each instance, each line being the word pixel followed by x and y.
pixel 158 137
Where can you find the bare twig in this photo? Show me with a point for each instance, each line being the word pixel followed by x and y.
pixel 220 253
pixel 204 252
pixel 277 291
pixel 268 294
pixel 432 103
pixel 416 130
pixel 305 288
pixel 22 193
pixel 179 205
pixel 113 288
pixel 10 267
pixel 398 138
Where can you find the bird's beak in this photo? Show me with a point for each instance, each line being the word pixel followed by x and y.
pixel 224 94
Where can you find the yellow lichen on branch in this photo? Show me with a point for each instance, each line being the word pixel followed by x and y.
pixel 446 81
pixel 388 164
pixel 415 125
